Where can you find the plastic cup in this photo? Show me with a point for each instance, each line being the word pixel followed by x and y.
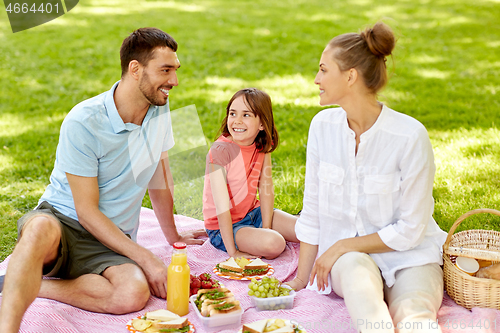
pixel 467 265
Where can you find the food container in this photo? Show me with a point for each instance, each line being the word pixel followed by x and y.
pixel 274 303
pixel 470 291
pixel 218 323
pixel 467 265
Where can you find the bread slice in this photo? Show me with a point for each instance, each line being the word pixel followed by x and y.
pixel 205 306
pixel 162 315
pixel 204 291
pixel 176 323
pixel 214 312
pixel 231 265
pixel 227 305
pixel 256 267
pixel 255 327
pixel 257 264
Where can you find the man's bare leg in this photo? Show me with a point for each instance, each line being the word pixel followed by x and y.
pixel 120 289
pixel 38 246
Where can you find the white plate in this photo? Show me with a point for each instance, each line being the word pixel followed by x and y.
pixel 130 328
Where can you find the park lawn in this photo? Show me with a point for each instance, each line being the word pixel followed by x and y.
pixel 445 73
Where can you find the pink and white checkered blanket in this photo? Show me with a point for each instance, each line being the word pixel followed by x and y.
pixel 317 313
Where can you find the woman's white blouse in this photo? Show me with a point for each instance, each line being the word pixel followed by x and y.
pixel 385 188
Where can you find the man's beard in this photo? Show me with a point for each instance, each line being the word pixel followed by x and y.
pixel 150 93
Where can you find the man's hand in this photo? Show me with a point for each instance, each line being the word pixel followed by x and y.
pixel 191 237
pixel 156 274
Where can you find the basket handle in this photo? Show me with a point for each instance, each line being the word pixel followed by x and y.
pixel 455 225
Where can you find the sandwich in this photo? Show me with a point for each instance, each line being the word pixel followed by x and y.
pixel 161 321
pixel 176 325
pixel 256 267
pixel 161 315
pixel 255 327
pixel 230 267
pixel 223 308
pixel 214 302
pixel 206 305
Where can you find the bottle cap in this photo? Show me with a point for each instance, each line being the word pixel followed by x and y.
pixel 179 245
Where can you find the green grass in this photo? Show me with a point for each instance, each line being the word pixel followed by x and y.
pixel 446 74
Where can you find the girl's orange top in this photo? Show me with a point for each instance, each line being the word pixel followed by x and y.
pixel 243 165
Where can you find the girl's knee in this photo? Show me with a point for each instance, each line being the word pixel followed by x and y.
pixel 272 246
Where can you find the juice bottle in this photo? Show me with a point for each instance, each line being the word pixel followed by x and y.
pixel 178 281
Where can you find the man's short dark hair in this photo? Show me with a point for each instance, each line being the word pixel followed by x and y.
pixel 140 46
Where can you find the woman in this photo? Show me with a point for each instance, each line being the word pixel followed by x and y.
pixel 368 200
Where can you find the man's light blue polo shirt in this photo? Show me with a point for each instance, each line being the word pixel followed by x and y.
pixel 95 142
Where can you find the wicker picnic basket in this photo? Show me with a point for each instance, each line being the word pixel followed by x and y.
pixel 470 291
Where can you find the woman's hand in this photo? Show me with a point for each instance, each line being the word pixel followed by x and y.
pixel 324 264
pixel 296 284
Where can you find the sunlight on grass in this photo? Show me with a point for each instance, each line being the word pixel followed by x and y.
pixel 424 59
pixel 468 166
pixel 329 17
pixel 494 43
pixel 432 73
pixel 296 89
pixel 17 124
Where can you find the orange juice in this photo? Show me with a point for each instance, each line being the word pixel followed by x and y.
pixel 178 281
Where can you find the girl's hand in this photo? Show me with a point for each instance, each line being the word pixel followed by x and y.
pixel 238 254
pixel 296 284
pixel 323 266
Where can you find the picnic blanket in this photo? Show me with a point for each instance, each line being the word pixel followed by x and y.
pixel 317 313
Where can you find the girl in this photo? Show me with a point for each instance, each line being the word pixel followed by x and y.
pixel 239 164
pixel 368 200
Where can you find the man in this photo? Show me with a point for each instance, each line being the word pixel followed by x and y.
pixel 111 149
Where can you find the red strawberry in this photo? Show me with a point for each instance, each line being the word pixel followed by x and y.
pixel 206 285
pixel 205 277
pixel 195 291
pixel 196 283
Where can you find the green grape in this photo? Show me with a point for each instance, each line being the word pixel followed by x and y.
pixel 254 280
pixel 250 286
pixel 255 287
pixel 266 285
pixel 256 294
pixel 250 292
pixel 276 293
pixel 261 288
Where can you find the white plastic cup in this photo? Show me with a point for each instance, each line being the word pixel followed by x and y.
pixel 467 265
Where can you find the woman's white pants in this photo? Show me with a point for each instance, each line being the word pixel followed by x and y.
pixel 410 305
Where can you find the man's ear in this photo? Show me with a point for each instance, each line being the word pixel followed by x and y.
pixel 134 68
pixel 353 76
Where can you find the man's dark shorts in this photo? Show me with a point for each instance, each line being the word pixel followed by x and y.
pixel 79 252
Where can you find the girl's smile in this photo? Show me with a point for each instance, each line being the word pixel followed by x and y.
pixel 242 123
